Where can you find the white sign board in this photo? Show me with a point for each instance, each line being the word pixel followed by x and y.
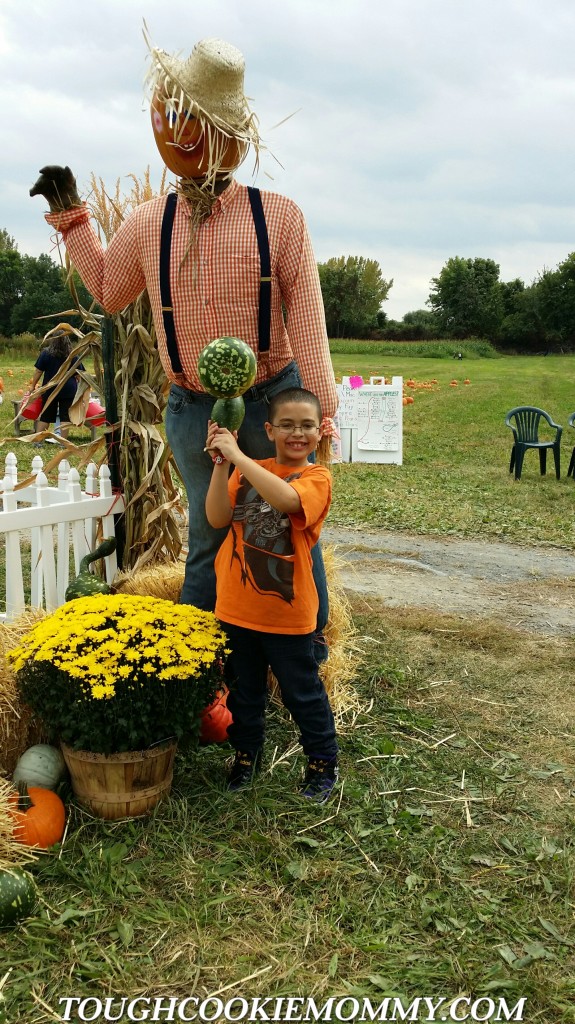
pixel 370 421
pixel 377 419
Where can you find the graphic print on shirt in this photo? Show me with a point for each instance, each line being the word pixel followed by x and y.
pixel 266 552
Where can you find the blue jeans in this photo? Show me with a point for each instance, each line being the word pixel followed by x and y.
pixel 292 660
pixel 187 417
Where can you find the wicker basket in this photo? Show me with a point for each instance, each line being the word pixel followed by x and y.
pixel 126 785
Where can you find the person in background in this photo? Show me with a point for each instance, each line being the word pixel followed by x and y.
pixel 272 511
pixel 47 365
pixel 217 258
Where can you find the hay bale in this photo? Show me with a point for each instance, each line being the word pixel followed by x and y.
pixel 19 728
pixel 163 580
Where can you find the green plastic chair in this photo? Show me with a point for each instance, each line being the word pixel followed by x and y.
pixel 571 470
pixel 524 422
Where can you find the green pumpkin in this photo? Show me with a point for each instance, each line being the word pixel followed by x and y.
pixel 227 367
pixel 86 582
pixel 40 765
pixel 18 895
pixel 229 412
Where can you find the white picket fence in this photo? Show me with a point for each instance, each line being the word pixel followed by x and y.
pixel 48 525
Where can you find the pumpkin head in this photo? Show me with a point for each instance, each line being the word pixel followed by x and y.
pixel 188 146
pixel 39 816
pixel 215 720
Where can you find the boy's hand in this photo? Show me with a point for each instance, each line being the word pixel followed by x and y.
pixel 217 457
pixel 214 440
pixel 225 442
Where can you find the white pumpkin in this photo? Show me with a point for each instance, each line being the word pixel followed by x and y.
pixel 40 765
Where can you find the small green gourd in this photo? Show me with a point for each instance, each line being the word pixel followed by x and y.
pixel 229 412
pixel 87 583
pixel 18 895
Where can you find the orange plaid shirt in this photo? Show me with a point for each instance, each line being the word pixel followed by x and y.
pixel 215 290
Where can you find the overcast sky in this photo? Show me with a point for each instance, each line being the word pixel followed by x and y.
pixel 423 130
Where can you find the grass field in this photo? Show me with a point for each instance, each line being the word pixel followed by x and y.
pixel 454 477
pixel 444 866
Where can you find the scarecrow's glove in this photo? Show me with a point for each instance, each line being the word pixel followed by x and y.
pixel 58 186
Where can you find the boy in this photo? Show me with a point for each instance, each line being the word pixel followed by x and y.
pixel 266 598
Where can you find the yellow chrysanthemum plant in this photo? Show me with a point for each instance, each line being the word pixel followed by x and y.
pixel 111 673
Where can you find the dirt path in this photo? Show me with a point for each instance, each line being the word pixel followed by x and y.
pixel 531 589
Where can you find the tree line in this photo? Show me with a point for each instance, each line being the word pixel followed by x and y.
pixel 466 299
pixel 32 287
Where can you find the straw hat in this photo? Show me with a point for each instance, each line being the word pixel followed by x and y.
pixel 209 85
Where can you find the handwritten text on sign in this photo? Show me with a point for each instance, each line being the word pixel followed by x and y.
pixel 377 420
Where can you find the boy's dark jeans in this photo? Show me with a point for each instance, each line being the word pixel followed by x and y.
pixel 291 659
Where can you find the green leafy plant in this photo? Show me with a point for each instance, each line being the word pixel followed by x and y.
pixel 110 673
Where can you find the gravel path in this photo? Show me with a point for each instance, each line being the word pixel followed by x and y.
pixel 528 588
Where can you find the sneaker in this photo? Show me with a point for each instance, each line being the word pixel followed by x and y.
pixel 321 777
pixel 245 767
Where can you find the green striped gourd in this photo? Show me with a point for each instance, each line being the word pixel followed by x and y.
pixel 86 582
pixel 227 367
pixel 18 895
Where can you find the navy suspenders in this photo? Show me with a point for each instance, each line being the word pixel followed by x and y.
pixel 265 312
pixel 264 315
pixel 165 289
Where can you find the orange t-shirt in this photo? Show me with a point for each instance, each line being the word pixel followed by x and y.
pixel 264 568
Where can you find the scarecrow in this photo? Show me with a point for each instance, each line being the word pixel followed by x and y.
pixel 218 259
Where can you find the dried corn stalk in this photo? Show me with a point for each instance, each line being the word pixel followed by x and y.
pixel 153 504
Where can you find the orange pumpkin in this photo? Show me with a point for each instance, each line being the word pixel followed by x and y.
pixel 184 146
pixel 404 401
pixel 39 816
pixel 410 400
pixel 215 720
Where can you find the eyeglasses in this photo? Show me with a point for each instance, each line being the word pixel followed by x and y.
pixel 285 428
